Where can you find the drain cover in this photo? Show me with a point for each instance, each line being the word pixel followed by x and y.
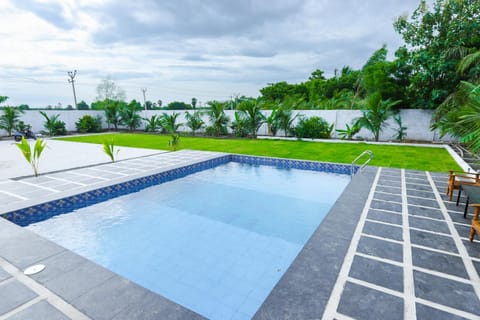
pixel 34 269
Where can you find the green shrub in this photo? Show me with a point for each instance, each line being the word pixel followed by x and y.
pixel 87 123
pixel 216 131
pixel 54 126
pixel 314 127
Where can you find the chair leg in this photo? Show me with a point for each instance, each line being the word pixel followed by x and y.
pixel 472 234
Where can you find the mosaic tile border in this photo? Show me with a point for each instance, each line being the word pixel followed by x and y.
pixel 26 216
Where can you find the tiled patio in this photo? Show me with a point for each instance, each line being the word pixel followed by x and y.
pixel 392 247
pixel 409 255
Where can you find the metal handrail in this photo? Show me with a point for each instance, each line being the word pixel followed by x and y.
pixel 370 157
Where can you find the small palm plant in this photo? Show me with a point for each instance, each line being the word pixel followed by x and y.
pixel 194 121
pixel 32 159
pixel 254 118
pixel 169 122
pixel 53 124
pixel 9 119
pixel 349 131
pixel 400 131
pixel 153 123
pixel 174 141
pixel 109 149
pixel 373 119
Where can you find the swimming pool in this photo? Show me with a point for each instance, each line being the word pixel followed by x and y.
pixel 216 241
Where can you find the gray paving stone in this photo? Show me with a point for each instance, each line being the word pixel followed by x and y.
pixel 458 217
pixel 71 285
pixel 473 248
pixel 452 206
pixel 40 311
pixel 385 205
pixel 425 212
pixel 389 189
pixel 99 303
pixel 364 303
pixel 419 187
pixel 384 231
pixel 423 202
pixel 439 262
pixel 4 275
pixel 58 264
pixel 447 292
pixel 13 294
pixel 387 197
pixel 476 264
pixel 428 224
pixel 463 230
pixel 423 194
pixel 383 274
pixel 434 241
pixel 390 183
pixel 154 307
pixel 380 248
pixel 26 248
pixel 383 216
pixel 428 313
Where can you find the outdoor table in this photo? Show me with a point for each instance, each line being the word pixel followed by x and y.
pixel 473 196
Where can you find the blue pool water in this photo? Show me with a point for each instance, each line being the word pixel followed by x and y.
pixel 216 241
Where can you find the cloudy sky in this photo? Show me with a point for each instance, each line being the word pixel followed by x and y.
pixel 208 49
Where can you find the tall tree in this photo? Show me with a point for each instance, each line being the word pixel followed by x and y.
pixel 108 89
pixel 429 36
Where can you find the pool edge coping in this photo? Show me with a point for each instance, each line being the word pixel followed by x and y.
pixel 215 156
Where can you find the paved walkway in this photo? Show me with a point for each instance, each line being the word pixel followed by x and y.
pixel 409 257
pixel 60 155
pixel 23 192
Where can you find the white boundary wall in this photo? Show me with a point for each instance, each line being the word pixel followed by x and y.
pixel 417 121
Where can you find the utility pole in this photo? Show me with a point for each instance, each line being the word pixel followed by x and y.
pixel 145 106
pixel 72 81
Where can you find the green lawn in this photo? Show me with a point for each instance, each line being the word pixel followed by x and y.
pixel 420 158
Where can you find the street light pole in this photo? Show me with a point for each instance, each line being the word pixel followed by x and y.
pixel 145 106
pixel 72 81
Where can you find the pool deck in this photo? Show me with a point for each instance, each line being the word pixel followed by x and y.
pixel 391 247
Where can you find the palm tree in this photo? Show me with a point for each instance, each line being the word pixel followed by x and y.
pixel 468 62
pixel 169 122
pixel 373 119
pixel 129 115
pixel 272 122
pixel 53 124
pixel 9 119
pixel 463 120
pixel 284 114
pixel 459 114
pixel 112 112
pixel 218 118
pixel 240 126
pixel 153 123
pixel 254 117
pixel 194 121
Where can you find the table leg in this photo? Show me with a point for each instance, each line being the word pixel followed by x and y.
pixel 466 208
pixel 459 193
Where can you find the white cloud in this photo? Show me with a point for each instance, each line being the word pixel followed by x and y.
pixel 179 49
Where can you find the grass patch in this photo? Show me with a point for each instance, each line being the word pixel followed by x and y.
pixel 419 158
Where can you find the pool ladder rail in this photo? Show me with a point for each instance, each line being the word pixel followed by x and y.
pixel 370 157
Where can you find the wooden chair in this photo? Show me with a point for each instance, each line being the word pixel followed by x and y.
pixel 475 229
pixel 457 178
